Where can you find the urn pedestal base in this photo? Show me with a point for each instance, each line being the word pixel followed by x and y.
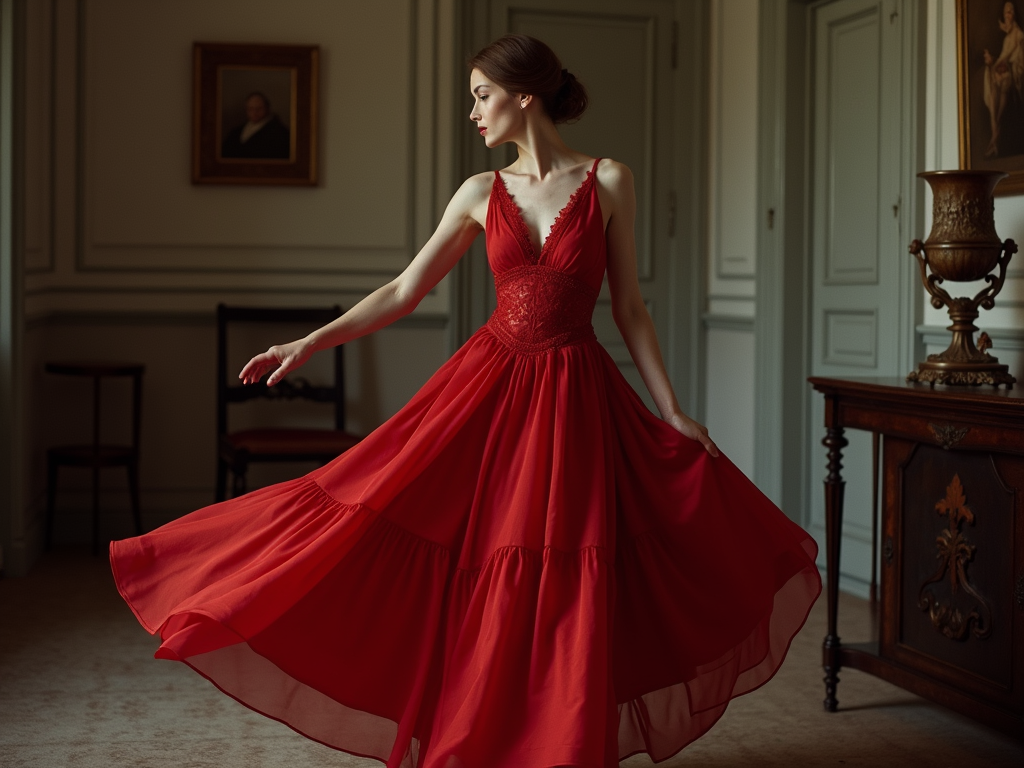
pixel 939 372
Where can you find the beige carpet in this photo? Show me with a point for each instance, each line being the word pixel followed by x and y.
pixel 78 687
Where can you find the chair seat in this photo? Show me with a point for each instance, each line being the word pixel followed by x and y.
pixel 290 442
pixel 87 456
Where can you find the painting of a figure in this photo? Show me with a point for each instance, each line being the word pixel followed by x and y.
pixel 254 114
pixel 991 72
pixel 256 106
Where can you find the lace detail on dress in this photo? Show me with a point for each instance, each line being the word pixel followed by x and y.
pixel 540 308
pixel 512 212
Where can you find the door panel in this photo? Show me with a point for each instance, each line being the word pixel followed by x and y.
pixel 855 237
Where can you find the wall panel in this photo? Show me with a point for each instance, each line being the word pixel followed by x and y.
pixel 730 394
pixel 128 259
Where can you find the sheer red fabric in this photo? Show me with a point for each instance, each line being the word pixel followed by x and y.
pixel 523 568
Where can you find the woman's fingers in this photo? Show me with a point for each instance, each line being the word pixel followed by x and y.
pixel 279 374
pixel 259 365
pixel 695 431
pixel 281 359
pixel 708 443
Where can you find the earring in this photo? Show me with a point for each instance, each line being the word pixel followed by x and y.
pixel 522 105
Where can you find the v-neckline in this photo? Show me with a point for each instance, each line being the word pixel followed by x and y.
pixel 563 216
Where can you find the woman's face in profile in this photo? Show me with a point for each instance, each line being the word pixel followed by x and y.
pixel 496 112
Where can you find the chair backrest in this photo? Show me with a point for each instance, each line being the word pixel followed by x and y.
pixel 289 388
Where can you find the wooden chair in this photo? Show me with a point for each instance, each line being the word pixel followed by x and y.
pixel 236 450
pixel 97 455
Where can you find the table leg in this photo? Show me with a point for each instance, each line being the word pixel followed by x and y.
pixel 834 487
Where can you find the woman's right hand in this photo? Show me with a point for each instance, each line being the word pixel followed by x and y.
pixel 282 357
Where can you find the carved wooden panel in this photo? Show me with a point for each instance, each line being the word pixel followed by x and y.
pixel 954 524
pixel 952 542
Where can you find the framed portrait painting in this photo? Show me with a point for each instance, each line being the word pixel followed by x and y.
pixel 990 64
pixel 254 114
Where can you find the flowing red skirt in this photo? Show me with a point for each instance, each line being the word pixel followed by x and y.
pixel 523 568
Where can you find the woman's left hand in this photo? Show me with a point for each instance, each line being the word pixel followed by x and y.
pixel 693 430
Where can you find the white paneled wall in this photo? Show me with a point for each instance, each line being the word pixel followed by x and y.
pixel 126 259
pixel 730 387
pixel 732 165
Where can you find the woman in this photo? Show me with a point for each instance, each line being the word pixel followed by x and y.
pixel 524 568
pixel 1004 79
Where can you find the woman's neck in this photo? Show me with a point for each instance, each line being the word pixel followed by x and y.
pixel 542 151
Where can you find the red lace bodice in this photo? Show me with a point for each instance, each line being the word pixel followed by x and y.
pixel 546 300
pixel 540 308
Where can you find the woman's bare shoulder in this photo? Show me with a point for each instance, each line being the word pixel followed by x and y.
pixel 613 175
pixel 478 186
pixel 471 198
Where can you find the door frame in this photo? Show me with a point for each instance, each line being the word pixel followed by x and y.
pixel 17 549
pixel 782 459
pixel 684 348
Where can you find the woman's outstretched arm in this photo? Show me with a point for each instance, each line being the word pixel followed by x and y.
pixel 628 309
pixel 461 223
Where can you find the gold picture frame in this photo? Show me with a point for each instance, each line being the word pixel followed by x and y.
pixel 990 80
pixel 254 114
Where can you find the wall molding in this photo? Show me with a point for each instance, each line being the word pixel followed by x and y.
pixel 106 253
pixel 728 322
pixel 727 266
pixel 49 226
pixel 17 547
pixel 194 317
pixel 780 357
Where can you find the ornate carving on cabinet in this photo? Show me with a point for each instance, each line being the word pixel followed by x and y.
pixel 947 435
pixel 955 552
pixel 950 546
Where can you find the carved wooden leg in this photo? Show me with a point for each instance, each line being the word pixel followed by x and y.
pixel 834 487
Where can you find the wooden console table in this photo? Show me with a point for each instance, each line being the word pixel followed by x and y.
pixel 952 573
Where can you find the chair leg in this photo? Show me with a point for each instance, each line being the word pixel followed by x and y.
pixel 133 490
pixel 222 480
pixel 238 482
pixel 96 511
pixel 51 499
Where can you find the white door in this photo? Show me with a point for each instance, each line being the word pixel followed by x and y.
pixel 856 243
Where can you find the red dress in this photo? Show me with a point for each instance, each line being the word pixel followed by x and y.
pixel 523 568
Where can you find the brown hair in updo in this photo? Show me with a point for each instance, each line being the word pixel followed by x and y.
pixel 522 64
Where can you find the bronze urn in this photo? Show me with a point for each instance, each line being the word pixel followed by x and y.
pixel 962 247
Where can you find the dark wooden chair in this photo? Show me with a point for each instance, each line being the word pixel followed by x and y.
pixel 97 455
pixel 236 450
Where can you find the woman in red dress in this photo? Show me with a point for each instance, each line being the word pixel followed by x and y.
pixel 524 567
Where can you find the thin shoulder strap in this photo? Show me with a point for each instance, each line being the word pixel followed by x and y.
pixel 594 169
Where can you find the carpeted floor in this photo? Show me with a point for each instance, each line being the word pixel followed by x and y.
pixel 79 687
